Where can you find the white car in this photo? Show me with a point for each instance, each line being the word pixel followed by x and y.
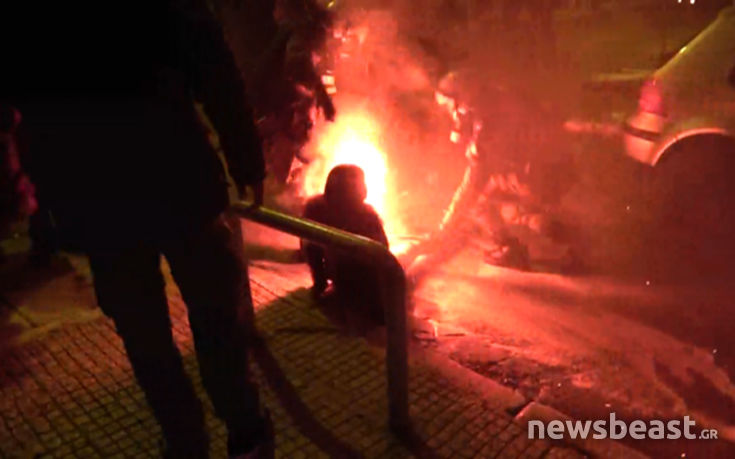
pixel 685 128
pixel 692 95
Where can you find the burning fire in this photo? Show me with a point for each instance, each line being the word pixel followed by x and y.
pixel 355 138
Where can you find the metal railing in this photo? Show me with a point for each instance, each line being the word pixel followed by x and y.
pixel 393 293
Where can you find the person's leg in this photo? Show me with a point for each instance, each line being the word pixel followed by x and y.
pixel 130 290
pixel 315 259
pixel 316 209
pixel 210 271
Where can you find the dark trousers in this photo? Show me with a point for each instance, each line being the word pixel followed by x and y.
pixel 356 284
pixel 208 267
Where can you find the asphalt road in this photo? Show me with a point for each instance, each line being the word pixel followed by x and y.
pixel 624 335
pixel 589 346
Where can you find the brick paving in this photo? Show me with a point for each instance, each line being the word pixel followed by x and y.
pixel 70 392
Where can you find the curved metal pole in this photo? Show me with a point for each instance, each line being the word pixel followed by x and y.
pixel 393 286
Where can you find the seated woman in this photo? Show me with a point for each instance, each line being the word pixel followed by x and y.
pixel 343 206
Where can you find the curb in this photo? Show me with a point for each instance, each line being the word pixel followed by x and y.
pixel 498 395
pixel 511 401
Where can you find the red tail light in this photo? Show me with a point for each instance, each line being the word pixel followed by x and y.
pixel 651 100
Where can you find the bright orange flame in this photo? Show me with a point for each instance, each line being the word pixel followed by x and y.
pixel 355 138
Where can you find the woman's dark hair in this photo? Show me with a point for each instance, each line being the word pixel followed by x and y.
pixel 345 182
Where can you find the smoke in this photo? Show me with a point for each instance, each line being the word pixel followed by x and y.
pixel 385 83
pixel 386 62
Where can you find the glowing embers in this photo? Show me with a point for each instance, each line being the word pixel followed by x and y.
pixel 355 138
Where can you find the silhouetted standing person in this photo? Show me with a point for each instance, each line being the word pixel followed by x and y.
pixel 107 92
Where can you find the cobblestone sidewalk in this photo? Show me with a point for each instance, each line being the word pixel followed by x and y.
pixel 70 392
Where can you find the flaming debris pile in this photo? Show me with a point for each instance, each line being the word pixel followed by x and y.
pixel 367 91
pixel 366 71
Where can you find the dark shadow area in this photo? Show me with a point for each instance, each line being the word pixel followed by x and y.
pixel 287 393
pixel 9 333
pixel 18 273
pixel 289 396
pixel 336 312
pixel 349 316
pixel 416 445
pixel 326 304
pixel 296 408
